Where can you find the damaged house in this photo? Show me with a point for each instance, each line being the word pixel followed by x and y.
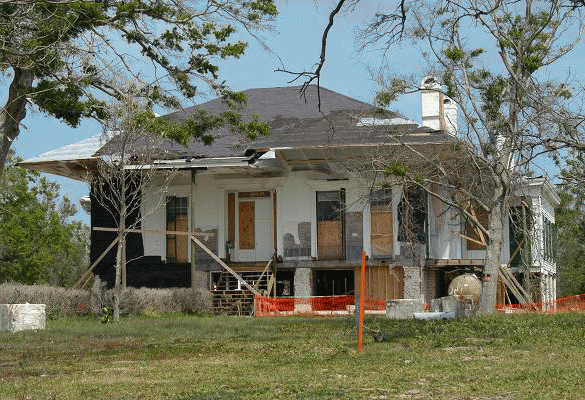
pixel 290 213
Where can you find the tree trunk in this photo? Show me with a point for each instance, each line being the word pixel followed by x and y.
pixel 120 254
pixel 493 252
pixel 117 291
pixel 14 111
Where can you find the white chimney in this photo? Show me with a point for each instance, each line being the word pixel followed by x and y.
pixel 450 116
pixel 439 112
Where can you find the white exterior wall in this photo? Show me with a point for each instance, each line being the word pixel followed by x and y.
pixel 444 223
pixel 296 204
pixel 208 207
pixel 153 211
pixel 205 210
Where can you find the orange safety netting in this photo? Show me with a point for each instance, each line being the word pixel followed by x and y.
pixel 318 305
pixel 564 304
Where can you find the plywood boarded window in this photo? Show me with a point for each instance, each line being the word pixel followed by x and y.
pixel 177 220
pixel 330 225
pixel 477 240
pixel 382 224
pixel 247 225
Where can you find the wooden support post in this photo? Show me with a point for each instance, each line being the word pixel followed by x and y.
pixel 515 286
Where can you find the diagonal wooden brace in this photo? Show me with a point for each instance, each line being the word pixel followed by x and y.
pixel 224 265
pixel 86 275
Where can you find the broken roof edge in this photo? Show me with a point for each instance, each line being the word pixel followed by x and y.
pixel 83 150
pixel 75 169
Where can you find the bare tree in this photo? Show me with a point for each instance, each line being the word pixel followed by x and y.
pixel 512 113
pixel 125 169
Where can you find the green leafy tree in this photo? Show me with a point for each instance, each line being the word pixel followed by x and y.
pixel 38 244
pixel 70 57
pixel 570 219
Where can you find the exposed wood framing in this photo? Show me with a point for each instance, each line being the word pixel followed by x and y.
pixel 455 262
pixel 264 272
pixel 470 239
pixel 514 286
pixel 272 285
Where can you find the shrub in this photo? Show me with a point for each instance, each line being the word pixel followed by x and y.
pixel 62 302
pixel 145 300
pixel 59 301
pixel 193 300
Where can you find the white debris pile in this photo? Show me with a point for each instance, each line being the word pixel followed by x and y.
pixel 19 317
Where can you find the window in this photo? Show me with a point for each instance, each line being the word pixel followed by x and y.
pixel 412 215
pixel 549 239
pixel 177 220
pixel 381 220
pixel 330 225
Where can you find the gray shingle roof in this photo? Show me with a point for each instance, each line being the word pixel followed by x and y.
pixel 295 121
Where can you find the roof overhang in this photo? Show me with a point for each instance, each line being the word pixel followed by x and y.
pixel 541 186
pixel 357 152
pixel 73 169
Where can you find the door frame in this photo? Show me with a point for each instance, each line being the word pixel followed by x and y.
pixel 256 197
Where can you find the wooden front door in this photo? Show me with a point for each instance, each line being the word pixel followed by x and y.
pixel 254 230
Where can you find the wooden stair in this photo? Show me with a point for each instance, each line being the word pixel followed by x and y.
pixel 232 298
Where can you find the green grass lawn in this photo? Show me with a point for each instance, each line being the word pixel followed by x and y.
pixel 195 357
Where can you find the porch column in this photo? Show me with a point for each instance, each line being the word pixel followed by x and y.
pixel 303 289
pixel 413 287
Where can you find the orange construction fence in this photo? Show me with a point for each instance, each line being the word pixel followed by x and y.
pixel 345 305
pixel 318 305
pixel 564 304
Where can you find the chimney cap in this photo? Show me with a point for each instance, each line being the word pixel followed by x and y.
pixel 430 83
